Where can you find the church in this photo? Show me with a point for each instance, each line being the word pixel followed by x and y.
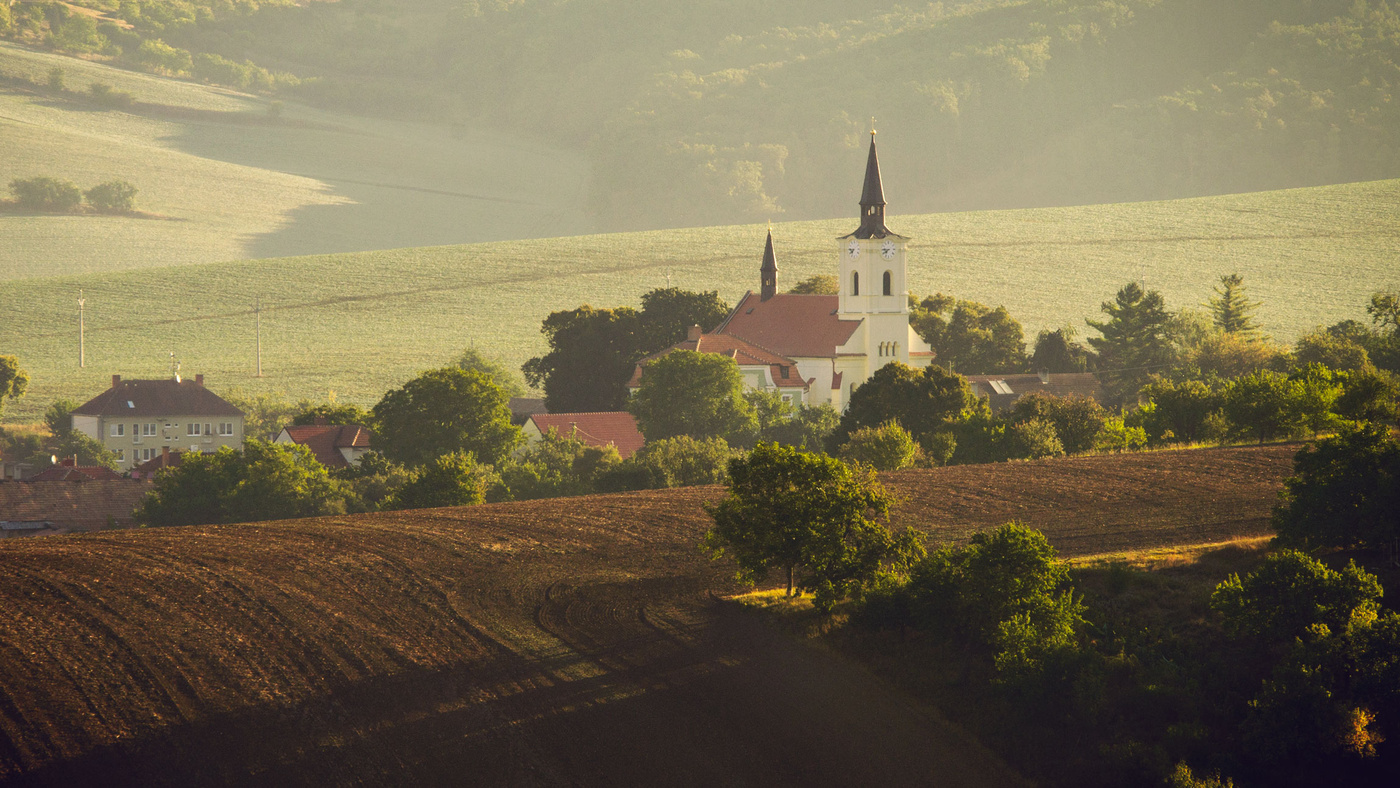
pixel 817 349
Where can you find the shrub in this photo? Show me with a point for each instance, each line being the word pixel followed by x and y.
pixel 157 56
pixel 56 78
pixel 1117 436
pixel 887 447
pixel 450 480
pixel 1176 412
pixel 46 194
pixel 112 196
pixel 1032 440
pixel 1344 491
pixel 555 466
pixel 1077 419
pixel 1263 404
pixel 1291 593
pixel 683 461
pixel 104 94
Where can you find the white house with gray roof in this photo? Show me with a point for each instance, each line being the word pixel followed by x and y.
pixel 137 418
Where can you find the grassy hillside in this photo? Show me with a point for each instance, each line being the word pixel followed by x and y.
pixel 569 641
pixel 719 112
pixel 234 183
pixel 359 324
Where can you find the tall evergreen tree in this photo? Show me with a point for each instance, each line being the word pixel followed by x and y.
pixel 1231 310
pixel 1134 342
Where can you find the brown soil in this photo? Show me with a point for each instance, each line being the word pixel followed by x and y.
pixel 572 641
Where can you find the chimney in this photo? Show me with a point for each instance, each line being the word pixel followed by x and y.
pixel 199 380
pixel 694 332
pixel 116 380
pixel 165 456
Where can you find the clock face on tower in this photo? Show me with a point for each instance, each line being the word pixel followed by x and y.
pixel 887 250
pixel 854 249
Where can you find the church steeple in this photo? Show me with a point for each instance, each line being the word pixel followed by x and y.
pixel 872 199
pixel 768 273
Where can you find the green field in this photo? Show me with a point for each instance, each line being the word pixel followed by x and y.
pixel 234 184
pixel 357 324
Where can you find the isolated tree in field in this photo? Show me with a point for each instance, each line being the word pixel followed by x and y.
pixel 443 411
pixel 1231 311
pixel 592 355
pixel 333 413
pixel 810 516
pixel 473 360
pixel 821 284
pixel 1344 491
pixel 668 312
pixel 13 380
pixel 112 197
pixel 1134 341
pixel 42 193
pixel 695 394
pixel 922 401
pixel 264 481
pixel 453 479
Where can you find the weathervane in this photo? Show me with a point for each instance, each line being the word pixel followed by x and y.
pixel 872 125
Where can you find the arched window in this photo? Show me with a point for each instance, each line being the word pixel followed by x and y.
pixel 888 283
pixel 855 283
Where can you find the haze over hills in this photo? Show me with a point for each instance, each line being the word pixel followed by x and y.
pixel 718 112
pixel 359 324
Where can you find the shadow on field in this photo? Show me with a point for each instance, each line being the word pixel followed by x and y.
pixel 707 697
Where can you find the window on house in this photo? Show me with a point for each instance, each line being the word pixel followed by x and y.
pixel 191 429
pixel 148 430
pixel 118 430
pixel 855 283
pixel 208 431
pixel 888 283
pixel 225 428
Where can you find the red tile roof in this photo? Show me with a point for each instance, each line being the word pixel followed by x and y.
pixel 157 398
pixel 67 473
pixel 746 354
pixel 154 464
pixel 326 440
pixel 85 506
pixel 792 325
pixel 618 428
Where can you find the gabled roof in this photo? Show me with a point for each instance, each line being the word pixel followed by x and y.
pixel 67 473
pixel 618 428
pixel 745 354
pixel 156 398
pixel 154 464
pixel 791 325
pixel 326 440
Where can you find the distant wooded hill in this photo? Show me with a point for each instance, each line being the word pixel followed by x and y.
pixel 716 111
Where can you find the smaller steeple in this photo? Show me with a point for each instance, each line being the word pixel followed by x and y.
pixel 768 273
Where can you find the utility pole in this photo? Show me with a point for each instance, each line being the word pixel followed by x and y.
pixel 82 348
pixel 257 310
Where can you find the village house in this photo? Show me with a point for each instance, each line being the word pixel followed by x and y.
pixel 334 445
pixel 817 349
pixel 617 429
pixel 136 419
pixel 1002 391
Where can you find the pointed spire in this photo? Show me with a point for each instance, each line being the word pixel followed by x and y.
pixel 768 272
pixel 872 197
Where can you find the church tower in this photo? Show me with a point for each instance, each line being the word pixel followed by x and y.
pixel 873 257
pixel 873 288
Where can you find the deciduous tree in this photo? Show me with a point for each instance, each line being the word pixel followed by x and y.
pixel 810 516
pixel 1344 491
pixel 973 338
pixel 695 394
pixel 13 380
pixel 443 411
pixel 923 402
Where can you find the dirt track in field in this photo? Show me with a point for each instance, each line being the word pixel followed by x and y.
pixel 573 641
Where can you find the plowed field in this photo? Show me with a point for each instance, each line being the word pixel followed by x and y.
pixel 571 641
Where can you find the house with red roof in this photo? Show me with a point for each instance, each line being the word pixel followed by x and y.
pixel 830 343
pixel 335 445
pixel 617 429
pixel 139 419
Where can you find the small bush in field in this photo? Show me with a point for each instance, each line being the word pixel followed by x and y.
pixel 112 197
